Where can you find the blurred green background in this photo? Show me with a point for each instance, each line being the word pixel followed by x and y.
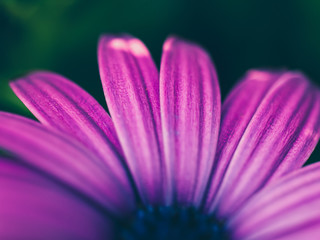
pixel 61 36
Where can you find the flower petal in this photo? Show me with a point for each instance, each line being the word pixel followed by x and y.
pixel 286 209
pixel 270 125
pixel 66 160
pixel 59 103
pixel 35 207
pixel 130 82
pixel 190 112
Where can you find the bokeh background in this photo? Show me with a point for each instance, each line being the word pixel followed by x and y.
pixel 61 36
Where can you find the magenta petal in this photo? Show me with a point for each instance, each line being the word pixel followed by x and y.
pixel 190 112
pixel 270 125
pixel 66 160
pixel 131 86
pixel 35 207
pixel 60 103
pixel 286 209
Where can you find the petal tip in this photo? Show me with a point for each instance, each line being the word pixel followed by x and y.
pixel 124 42
pixel 168 43
pixel 258 75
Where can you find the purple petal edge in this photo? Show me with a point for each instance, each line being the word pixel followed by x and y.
pixel 269 128
pixel 190 112
pixel 61 104
pixel 66 160
pixel 131 87
pixel 34 207
pixel 286 209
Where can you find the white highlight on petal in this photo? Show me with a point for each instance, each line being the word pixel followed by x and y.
pixel 119 44
pixel 167 45
pixel 310 132
pixel 137 48
pixel 258 75
pixel 134 46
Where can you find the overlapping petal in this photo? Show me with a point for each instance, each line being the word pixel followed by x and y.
pixel 131 86
pixel 288 208
pixel 190 113
pixel 36 207
pixel 67 161
pixel 60 103
pixel 270 125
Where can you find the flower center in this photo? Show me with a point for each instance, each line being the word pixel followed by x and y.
pixel 172 223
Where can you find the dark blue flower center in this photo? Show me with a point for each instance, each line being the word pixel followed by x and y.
pixel 172 223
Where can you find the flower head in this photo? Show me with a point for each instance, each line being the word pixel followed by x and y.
pixel 171 162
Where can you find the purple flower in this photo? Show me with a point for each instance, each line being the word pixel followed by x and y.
pixel 171 163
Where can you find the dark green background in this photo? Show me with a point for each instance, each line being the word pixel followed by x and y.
pixel 61 36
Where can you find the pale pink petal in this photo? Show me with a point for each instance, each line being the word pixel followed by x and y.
pixel 288 208
pixel 66 160
pixel 190 112
pixel 270 125
pixel 33 206
pixel 131 86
